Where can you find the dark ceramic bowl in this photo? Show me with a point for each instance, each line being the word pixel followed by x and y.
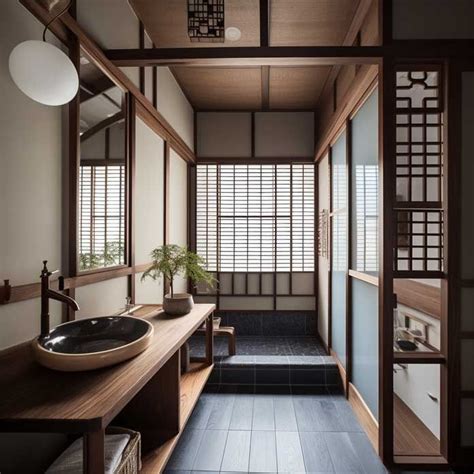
pixel 92 343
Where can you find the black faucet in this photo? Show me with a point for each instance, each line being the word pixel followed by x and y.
pixel 47 293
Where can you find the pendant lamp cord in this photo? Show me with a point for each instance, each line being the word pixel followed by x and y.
pixel 64 10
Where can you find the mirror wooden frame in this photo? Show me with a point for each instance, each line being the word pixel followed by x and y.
pixel 74 169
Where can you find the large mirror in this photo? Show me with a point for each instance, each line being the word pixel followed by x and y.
pixel 102 180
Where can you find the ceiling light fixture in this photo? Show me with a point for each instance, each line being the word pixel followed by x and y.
pixel 206 21
pixel 233 33
pixel 42 71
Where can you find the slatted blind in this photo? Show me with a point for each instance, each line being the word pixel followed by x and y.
pixel 339 217
pixel 102 215
pixel 367 217
pixel 256 218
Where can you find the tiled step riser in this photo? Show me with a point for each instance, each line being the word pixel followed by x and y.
pixel 276 376
pixel 270 323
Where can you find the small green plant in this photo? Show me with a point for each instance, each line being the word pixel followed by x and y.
pixel 113 255
pixel 172 260
pixel 88 261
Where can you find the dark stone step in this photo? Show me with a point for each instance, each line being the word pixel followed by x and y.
pixel 276 371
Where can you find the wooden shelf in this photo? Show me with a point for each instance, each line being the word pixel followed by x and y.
pixel 418 357
pixel 192 383
pixel 411 436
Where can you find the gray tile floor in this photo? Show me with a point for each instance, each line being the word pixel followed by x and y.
pixel 263 345
pixel 274 433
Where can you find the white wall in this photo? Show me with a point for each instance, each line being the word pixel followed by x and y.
pixel 413 384
pixel 284 134
pixel 30 183
pixel 102 299
pixel 149 199
pixel 221 134
pixel 178 199
pixel 323 262
pixel 30 216
pixel 172 103
pixel 277 134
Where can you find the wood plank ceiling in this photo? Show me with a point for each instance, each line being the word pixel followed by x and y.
pixel 291 23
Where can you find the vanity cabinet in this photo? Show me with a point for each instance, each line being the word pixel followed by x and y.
pixel 148 393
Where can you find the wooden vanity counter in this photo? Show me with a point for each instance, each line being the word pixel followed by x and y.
pixel 146 393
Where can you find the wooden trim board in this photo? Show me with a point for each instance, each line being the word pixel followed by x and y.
pixel 14 294
pixel 370 279
pixel 364 415
pixel 342 370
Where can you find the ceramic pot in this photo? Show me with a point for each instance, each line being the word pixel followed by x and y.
pixel 179 304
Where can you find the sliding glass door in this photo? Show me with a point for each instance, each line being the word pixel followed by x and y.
pixel 364 263
pixel 339 241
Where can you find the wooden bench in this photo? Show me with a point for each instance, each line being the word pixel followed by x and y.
pixel 227 331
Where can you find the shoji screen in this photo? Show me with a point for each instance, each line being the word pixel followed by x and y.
pixel 339 238
pixel 364 253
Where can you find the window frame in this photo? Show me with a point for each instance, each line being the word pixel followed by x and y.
pixel 265 278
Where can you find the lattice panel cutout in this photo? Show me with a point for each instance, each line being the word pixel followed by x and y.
pixel 419 89
pixel 419 138
pixel 419 240
pixel 206 20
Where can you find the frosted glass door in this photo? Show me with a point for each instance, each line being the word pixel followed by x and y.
pixel 339 247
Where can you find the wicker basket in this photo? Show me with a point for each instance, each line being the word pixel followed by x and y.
pixel 131 457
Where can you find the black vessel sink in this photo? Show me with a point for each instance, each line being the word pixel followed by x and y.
pixel 88 344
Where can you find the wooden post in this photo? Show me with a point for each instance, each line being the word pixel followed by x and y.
pixel 185 358
pixel 93 452
pixel 210 339
pixel 387 234
pixel 155 410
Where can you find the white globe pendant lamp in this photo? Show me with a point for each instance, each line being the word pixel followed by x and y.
pixel 43 72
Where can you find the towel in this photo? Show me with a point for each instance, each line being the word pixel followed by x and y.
pixel 70 461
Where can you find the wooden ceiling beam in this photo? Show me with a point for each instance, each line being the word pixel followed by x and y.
pixel 108 122
pixel 246 56
pixel 89 90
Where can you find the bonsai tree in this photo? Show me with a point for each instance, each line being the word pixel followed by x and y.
pixel 172 260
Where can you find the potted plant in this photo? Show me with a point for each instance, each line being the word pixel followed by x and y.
pixel 172 260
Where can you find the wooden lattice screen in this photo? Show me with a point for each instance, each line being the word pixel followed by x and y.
pixel 419 171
